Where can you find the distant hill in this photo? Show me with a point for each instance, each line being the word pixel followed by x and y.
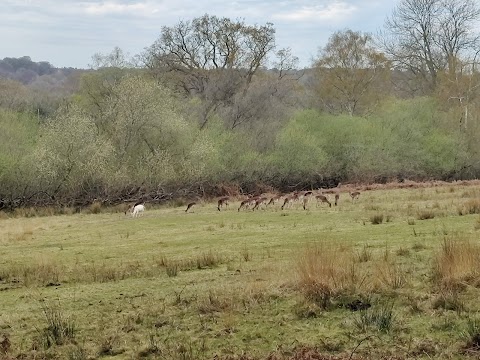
pixel 26 71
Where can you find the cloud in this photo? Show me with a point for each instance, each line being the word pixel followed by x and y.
pixel 69 32
pixel 117 8
pixel 334 12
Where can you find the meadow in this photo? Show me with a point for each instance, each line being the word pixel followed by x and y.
pixel 393 275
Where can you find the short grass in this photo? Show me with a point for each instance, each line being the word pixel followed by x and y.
pixel 176 285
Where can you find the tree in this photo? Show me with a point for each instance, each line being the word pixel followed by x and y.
pixel 210 57
pixel 349 71
pixel 13 95
pixel 424 37
pixel 71 157
pixel 96 87
pixel 285 63
pixel 460 90
pixel 116 58
pixel 140 117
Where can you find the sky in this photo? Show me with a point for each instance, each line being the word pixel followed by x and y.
pixel 67 33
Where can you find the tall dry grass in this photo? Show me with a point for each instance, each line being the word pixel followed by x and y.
pixel 325 272
pixel 457 263
pixel 470 207
pixel 389 275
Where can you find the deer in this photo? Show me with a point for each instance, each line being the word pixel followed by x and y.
pixel 322 199
pixel 137 209
pixel 190 205
pixel 289 200
pixel 274 199
pixel 223 201
pixel 260 201
pixel 337 197
pixel 305 198
pixel 355 195
pixel 132 207
pixel 248 202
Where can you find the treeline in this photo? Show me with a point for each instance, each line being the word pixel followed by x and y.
pixel 26 71
pixel 200 114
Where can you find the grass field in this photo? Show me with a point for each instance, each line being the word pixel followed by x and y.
pixel 393 275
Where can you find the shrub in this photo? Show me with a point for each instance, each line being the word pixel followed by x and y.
pixel 376 219
pixel 95 208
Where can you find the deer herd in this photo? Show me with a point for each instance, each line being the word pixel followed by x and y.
pixel 302 198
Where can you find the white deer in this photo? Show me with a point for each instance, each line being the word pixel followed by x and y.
pixel 137 209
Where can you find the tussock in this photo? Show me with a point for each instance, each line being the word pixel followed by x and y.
pixel 456 264
pixel 326 272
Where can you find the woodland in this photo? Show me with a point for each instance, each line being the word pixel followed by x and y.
pixel 213 107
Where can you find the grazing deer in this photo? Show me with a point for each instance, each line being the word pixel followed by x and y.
pixel 355 195
pixel 289 200
pixel 132 207
pixel 307 193
pixel 274 199
pixel 337 197
pixel 322 199
pixel 301 195
pixel 260 201
pixel 297 196
pixel 247 203
pixel 137 209
pixel 223 201
pixel 190 205
pixel 305 198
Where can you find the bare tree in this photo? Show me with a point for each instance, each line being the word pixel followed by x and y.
pixel 285 63
pixel 460 88
pixel 116 58
pixel 424 37
pixel 456 35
